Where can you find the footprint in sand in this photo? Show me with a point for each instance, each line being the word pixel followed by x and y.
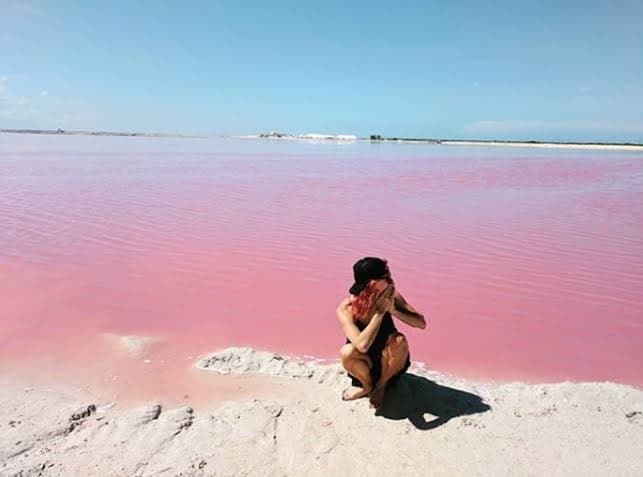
pixel 302 434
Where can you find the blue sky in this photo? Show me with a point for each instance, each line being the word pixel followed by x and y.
pixel 548 70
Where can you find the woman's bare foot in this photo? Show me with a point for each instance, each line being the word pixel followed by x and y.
pixel 377 397
pixel 353 392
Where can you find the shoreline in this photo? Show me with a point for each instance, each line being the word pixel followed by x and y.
pixel 454 142
pixel 290 420
pixel 320 138
pixel 548 145
pixel 250 361
pixel 127 366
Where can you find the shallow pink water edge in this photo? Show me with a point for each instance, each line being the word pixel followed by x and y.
pixel 526 263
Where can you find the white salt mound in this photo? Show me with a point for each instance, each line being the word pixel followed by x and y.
pixel 238 360
pixel 244 360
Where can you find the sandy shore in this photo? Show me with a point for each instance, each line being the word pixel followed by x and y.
pixel 548 145
pixel 447 142
pixel 430 425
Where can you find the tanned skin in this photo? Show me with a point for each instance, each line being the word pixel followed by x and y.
pixel 354 355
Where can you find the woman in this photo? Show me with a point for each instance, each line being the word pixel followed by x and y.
pixel 375 353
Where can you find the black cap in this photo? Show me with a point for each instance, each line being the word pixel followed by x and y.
pixel 367 269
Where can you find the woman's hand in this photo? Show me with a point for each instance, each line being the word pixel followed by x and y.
pixel 385 300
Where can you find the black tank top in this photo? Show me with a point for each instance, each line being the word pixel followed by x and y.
pixel 386 328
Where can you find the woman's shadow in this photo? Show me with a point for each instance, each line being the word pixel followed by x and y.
pixel 412 396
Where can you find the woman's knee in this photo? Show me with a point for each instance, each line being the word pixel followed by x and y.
pixel 347 351
pixel 397 344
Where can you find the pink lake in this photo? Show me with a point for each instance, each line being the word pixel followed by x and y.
pixel 527 262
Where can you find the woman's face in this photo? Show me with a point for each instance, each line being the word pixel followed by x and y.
pixel 381 284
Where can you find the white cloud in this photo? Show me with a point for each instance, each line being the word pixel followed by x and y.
pixel 18 108
pixel 31 111
pixel 519 126
pixel 76 119
pixel 26 8
pixel 4 81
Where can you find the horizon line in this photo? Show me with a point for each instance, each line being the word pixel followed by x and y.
pixel 285 136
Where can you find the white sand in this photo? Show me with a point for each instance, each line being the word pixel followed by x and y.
pixel 548 145
pixel 431 425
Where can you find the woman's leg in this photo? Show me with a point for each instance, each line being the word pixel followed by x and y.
pixel 359 365
pixel 394 357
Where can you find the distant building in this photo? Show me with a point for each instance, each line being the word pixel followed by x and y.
pixel 272 134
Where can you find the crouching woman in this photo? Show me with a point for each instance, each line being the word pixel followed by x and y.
pixel 375 354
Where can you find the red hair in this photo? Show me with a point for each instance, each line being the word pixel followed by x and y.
pixel 363 302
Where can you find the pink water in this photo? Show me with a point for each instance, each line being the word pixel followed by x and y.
pixel 528 263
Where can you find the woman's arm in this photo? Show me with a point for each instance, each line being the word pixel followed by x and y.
pixel 406 313
pixel 362 340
